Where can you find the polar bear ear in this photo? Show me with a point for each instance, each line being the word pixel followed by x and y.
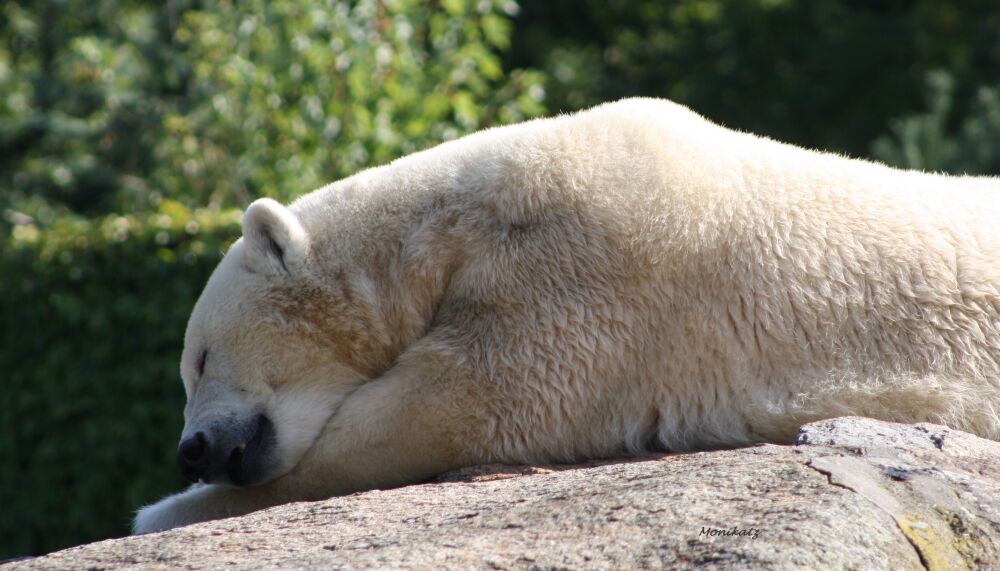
pixel 275 240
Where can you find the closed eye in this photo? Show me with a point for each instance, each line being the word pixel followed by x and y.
pixel 201 362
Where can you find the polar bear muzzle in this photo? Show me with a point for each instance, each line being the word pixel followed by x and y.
pixel 234 451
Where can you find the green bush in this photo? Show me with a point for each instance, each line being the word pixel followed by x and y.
pixel 93 321
pixel 106 107
pixel 942 139
pixel 821 73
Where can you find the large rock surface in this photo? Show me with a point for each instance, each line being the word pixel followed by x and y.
pixel 853 493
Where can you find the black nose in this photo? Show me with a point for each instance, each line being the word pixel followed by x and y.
pixel 193 457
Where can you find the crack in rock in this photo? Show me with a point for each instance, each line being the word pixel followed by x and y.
pixel 936 552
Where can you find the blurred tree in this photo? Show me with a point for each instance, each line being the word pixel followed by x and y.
pixel 925 141
pixel 287 97
pixel 113 106
pixel 82 98
pixel 822 73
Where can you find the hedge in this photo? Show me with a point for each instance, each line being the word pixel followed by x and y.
pixel 93 321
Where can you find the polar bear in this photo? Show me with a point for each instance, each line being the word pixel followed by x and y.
pixel 627 278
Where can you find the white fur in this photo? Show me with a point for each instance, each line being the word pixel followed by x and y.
pixel 270 229
pixel 628 277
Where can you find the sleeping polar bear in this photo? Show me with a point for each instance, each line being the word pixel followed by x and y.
pixel 627 278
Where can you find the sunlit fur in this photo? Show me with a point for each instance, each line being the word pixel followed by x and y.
pixel 625 278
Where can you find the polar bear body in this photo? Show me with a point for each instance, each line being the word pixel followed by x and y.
pixel 627 278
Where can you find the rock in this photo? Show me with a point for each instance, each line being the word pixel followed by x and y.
pixel 852 493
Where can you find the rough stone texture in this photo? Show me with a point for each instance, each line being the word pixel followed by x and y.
pixel 853 493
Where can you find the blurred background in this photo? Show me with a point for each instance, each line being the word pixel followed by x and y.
pixel 133 132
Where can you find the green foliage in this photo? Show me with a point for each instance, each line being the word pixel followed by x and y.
pixel 821 73
pixel 288 97
pixel 219 102
pixel 83 97
pixel 93 319
pixel 926 141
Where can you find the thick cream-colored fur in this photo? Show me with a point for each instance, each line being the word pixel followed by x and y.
pixel 625 278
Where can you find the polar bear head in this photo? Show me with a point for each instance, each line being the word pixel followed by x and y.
pixel 270 351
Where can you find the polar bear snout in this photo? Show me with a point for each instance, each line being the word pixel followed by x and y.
pixel 192 456
pixel 233 451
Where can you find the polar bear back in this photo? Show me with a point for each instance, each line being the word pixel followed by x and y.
pixel 706 285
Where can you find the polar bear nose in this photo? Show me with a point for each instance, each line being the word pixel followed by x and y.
pixel 192 457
